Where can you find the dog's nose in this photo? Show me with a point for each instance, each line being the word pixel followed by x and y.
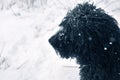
pixel 53 40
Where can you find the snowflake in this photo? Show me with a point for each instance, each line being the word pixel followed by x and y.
pixel 110 43
pixel 105 48
pixel 79 34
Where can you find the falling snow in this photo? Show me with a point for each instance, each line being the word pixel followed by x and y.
pixel 110 43
pixel 79 34
pixel 105 48
pixel 23 56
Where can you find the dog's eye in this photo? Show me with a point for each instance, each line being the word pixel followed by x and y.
pixel 61 35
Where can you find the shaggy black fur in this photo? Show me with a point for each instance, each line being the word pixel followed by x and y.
pixel 93 37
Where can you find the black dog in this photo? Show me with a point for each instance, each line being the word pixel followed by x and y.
pixel 93 37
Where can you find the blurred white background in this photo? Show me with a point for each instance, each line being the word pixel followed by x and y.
pixel 26 26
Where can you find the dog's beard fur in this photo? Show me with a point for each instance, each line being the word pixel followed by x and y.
pixel 93 38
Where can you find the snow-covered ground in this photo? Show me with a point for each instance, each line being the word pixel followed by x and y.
pixel 25 53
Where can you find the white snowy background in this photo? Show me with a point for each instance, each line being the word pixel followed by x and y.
pixel 26 26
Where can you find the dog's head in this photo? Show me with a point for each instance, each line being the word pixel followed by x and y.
pixel 86 31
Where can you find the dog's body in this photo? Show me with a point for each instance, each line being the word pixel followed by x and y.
pixel 93 38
